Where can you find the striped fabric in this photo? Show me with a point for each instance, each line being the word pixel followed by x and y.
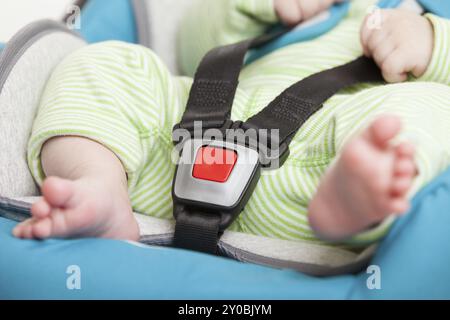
pixel 122 96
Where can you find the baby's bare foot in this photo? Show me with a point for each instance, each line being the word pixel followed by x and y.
pixel 80 208
pixel 369 182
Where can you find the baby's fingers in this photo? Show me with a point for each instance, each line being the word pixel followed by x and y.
pixel 373 30
pixel 365 34
pixel 380 47
pixel 292 12
pixel 395 67
pixel 288 11
pixel 310 9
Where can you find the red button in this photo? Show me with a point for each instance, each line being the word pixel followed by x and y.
pixel 214 164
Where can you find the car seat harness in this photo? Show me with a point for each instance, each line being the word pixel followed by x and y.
pixel 219 168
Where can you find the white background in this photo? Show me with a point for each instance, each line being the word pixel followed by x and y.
pixel 15 14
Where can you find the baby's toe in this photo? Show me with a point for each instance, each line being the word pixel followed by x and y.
pixel 42 229
pixel 60 228
pixel 398 205
pixel 40 209
pixel 24 229
pixel 404 167
pixel 57 192
pixel 400 186
pixel 18 229
pixel 27 232
pixel 383 129
pixel 405 149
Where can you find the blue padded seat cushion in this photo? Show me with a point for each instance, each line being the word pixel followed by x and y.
pixel 414 261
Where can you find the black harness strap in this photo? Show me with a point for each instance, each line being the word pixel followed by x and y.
pixel 212 92
pixel 197 231
pixel 215 83
pixel 292 108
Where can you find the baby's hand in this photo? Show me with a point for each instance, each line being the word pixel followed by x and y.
pixel 400 42
pixel 292 12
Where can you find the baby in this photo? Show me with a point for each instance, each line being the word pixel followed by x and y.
pixel 101 143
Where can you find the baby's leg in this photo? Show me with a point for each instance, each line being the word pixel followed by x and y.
pixel 85 195
pixel 377 169
pixel 102 129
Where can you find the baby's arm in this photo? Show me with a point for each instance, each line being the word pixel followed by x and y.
pixel 292 12
pixel 405 43
pixel 209 24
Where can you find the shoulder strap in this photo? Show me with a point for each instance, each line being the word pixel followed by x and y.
pixel 215 82
pixel 292 108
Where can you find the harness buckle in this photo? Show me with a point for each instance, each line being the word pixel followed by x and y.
pixel 215 177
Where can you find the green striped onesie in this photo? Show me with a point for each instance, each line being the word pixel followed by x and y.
pixel 122 96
